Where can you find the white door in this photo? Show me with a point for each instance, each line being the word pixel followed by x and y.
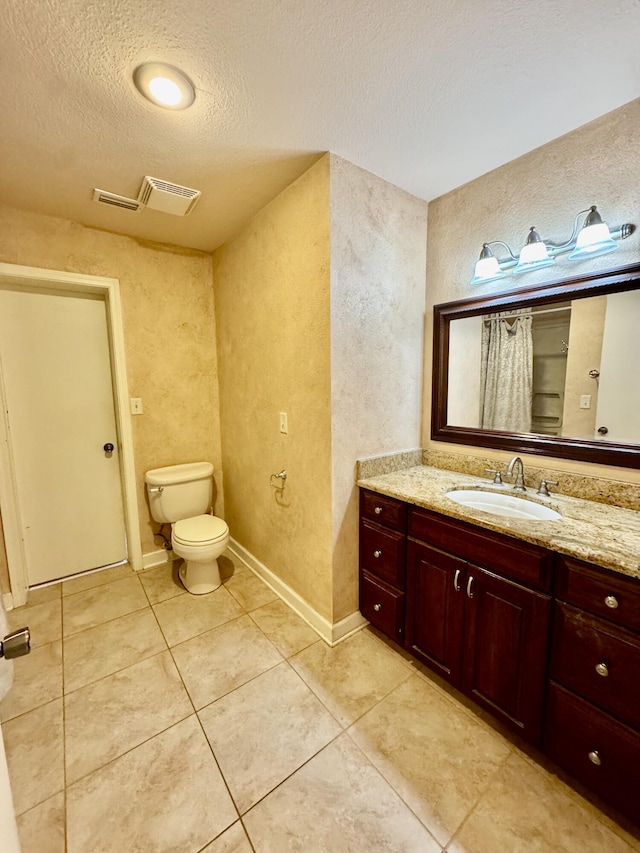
pixel 619 383
pixel 56 369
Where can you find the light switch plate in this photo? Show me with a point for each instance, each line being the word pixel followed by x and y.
pixel 585 401
pixel 136 405
pixel 284 423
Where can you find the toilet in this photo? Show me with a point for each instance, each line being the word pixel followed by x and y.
pixel 180 495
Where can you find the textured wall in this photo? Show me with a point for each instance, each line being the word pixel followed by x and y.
pixel 169 331
pixel 271 288
pixel 596 164
pixel 378 239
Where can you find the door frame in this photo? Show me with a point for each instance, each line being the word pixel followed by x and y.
pixel 109 288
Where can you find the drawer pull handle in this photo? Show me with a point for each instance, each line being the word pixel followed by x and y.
pixel 456 580
pixel 377 554
pixel 611 601
pixel 377 607
pixel 469 587
pixel 594 757
pixel 602 669
pixel 377 510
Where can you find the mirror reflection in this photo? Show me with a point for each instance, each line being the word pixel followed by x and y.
pixel 567 369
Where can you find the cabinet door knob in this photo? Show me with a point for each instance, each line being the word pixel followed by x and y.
pixel 602 669
pixel 377 554
pixel 611 601
pixel 594 757
pixel 378 510
pixel 456 580
pixel 377 607
pixel 469 587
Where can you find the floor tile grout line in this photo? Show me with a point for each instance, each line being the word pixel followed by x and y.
pixel 286 657
pixel 479 798
pixel 106 622
pixel 222 776
pixel 359 717
pixel 127 751
pixel 133 574
pixel 293 773
pixel 47 701
pixel 388 783
pixel 118 671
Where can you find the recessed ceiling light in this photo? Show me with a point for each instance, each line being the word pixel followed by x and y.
pixel 164 85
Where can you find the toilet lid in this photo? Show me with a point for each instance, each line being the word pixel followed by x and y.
pixel 200 528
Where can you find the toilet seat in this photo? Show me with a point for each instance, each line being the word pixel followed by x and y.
pixel 199 530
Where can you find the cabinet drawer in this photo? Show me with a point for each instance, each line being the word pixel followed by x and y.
pixel 599 591
pixel 576 730
pixel 517 560
pixel 383 510
pixel 382 606
pixel 597 660
pixel 382 552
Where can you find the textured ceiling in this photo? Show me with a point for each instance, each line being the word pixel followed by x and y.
pixel 428 94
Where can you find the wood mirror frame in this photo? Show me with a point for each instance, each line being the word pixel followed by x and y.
pixel 587 450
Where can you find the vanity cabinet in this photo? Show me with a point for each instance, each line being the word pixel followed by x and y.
pixel 593 709
pixel 383 525
pixel 477 626
pixel 548 644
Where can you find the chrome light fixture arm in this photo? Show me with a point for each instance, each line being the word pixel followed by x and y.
pixel 579 245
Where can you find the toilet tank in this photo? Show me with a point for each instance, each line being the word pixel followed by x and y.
pixel 179 491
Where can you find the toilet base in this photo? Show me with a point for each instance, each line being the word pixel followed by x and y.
pixel 200 577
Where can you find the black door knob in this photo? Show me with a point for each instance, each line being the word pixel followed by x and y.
pixel 108 448
pixel 603 430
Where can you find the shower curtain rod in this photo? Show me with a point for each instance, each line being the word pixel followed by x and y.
pixel 528 313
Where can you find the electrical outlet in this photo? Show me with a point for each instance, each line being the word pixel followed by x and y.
pixel 284 423
pixel 136 405
pixel 585 401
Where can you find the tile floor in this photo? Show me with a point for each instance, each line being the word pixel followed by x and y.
pixel 146 719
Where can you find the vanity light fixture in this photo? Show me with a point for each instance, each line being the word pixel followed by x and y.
pixel 164 85
pixel 587 240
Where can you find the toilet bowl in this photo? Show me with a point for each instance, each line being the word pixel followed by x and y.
pixel 200 541
pixel 180 495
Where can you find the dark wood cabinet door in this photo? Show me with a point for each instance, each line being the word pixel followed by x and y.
pixel 505 649
pixel 435 608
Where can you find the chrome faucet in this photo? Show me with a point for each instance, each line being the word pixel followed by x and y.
pixel 516 462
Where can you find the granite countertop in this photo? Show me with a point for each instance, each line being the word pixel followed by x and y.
pixel 597 533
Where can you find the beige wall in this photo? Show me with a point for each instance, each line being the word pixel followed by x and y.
pixel 378 239
pixel 169 330
pixel 596 164
pixel 271 287
pixel 585 350
pixel 319 304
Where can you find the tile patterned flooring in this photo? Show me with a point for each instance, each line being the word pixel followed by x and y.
pixel 146 719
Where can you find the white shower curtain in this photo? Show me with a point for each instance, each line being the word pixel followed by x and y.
pixel 506 372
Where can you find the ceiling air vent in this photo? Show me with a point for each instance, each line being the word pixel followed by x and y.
pixel 105 197
pixel 167 197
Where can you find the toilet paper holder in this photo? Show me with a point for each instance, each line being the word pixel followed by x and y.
pixel 282 476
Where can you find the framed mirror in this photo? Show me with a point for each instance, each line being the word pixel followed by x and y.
pixel 552 369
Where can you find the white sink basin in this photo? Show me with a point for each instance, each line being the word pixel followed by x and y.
pixel 507 504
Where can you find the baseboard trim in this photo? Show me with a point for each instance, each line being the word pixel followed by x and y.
pixel 156 558
pixel 331 632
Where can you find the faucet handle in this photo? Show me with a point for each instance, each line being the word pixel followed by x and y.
pixel 542 488
pixel 497 478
